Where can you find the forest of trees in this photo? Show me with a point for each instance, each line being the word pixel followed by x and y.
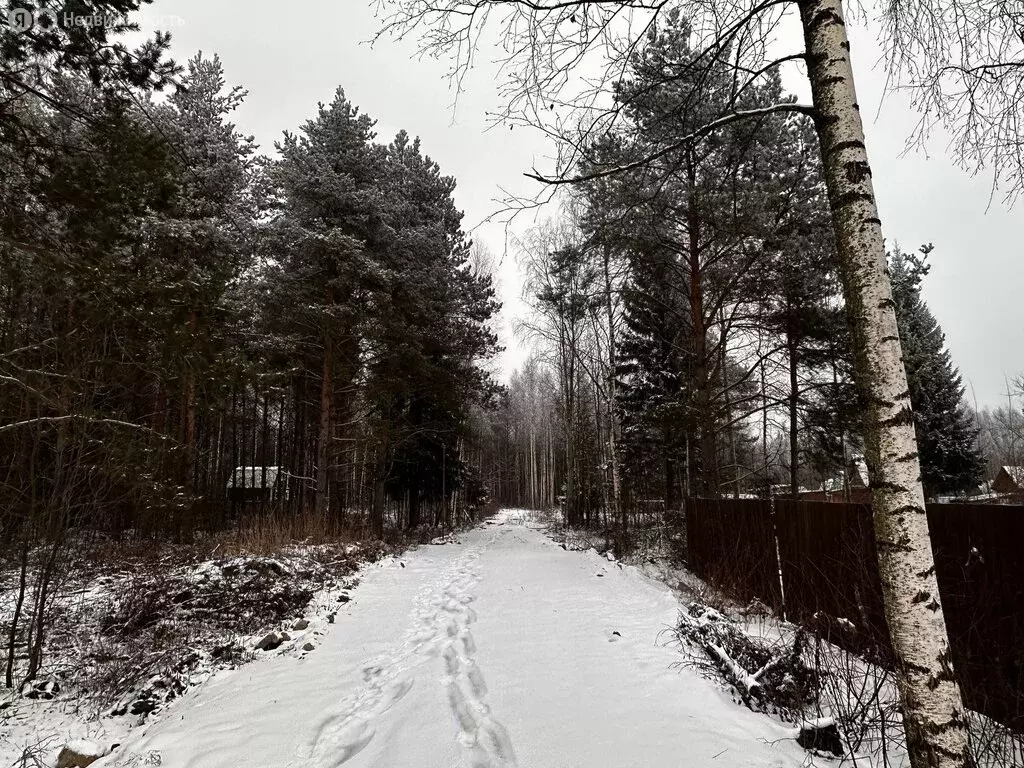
pixel 187 320
pixel 193 331
pixel 691 334
pixel 184 316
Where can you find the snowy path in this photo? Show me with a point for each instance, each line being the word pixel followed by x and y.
pixel 503 651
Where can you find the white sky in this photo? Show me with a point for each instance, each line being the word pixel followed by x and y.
pixel 290 57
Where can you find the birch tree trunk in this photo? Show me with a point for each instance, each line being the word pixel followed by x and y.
pixel 932 706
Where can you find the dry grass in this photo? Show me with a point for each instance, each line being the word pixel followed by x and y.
pixel 270 534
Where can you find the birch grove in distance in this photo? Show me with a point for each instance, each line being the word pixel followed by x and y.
pixel 960 62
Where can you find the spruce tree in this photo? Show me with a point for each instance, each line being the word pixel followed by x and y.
pixel 654 391
pixel 950 460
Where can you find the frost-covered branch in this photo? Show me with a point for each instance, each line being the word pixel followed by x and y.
pixel 80 417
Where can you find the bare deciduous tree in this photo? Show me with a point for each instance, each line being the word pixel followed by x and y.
pixel 561 289
pixel 963 66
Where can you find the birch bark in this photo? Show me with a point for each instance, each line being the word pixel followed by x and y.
pixel 932 705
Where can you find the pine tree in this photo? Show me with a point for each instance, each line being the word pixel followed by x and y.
pixel 733 208
pixel 199 249
pixel 36 55
pixel 950 460
pixel 430 331
pixel 322 265
pixel 77 279
pixel 371 297
pixel 797 280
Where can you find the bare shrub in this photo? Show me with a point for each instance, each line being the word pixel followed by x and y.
pixel 992 744
pixel 234 594
pixel 650 536
pixel 35 755
pixel 862 698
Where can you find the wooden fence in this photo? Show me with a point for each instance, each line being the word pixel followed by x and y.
pixel 813 560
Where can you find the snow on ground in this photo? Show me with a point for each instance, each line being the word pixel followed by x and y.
pixel 500 650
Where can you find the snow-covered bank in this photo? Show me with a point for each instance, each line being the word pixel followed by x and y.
pixel 129 635
pixel 500 650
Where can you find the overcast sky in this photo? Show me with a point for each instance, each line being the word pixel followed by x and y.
pixel 291 56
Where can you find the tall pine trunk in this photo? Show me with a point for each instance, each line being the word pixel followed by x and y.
pixel 414 503
pixel 706 470
pixel 618 514
pixel 377 508
pixel 569 386
pixel 670 473
pixel 324 436
pixel 190 406
pixel 794 395
pixel 533 463
pixel 571 508
pixel 931 701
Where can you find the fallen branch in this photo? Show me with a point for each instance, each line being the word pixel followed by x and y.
pixel 782 681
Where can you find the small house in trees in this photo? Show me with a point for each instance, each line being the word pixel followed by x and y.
pixel 1009 480
pixel 257 485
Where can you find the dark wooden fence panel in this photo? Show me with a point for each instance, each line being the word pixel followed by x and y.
pixel 824 548
pixel 980 569
pixel 830 570
pixel 730 542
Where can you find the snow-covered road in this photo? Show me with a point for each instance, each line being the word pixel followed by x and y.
pixel 503 650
